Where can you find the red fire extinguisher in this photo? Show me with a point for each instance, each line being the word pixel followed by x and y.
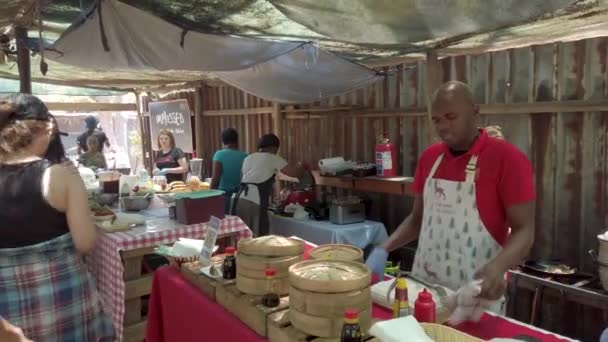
pixel 386 157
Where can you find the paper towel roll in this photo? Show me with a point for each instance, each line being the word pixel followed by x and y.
pixel 331 161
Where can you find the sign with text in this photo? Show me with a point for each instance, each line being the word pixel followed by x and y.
pixel 173 116
pixel 213 228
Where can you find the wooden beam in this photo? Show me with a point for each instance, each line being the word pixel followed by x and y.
pixel 277 120
pixel 23 61
pixel 431 83
pixel 573 106
pixel 322 109
pixel 243 111
pixel 91 107
pixel 198 121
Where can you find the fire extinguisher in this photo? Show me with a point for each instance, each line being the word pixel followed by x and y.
pixel 386 157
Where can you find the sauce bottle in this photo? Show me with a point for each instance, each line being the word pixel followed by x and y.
pixel 229 265
pixel 401 307
pixel 351 331
pixel 271 297
pixel 424 308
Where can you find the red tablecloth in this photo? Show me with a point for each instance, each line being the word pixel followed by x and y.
pixel 178 311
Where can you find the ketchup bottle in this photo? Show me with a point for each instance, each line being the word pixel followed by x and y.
pixel 424 308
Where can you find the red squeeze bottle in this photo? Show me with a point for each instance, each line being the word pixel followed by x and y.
pixel 424 308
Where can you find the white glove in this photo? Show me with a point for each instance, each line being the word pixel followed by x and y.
pixel 465 304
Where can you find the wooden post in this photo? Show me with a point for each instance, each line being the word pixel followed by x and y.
pixel 198 121
pixel 142 132
pixel 277 120
pixel 23 61
pixel 431 84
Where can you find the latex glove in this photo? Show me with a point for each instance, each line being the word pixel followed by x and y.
pixel 466 305
pixel 163 172
pixel 376 261
pixel 493 282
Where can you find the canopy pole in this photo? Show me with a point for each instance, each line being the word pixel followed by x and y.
pixel 198 121
pixel 432 80
pixel 23 61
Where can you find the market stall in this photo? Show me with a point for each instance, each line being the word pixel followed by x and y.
pixel 181 311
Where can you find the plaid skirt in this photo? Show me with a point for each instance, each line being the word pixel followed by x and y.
pixel 46 290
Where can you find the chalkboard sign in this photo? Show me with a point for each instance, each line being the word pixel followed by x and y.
pixel 175 117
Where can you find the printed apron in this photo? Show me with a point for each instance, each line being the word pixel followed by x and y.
pixel 46 290
pixel 453 243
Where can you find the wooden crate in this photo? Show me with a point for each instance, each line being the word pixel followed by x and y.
pixel 139 285
pixel 191 271
pixel 247 308
pixel 280 330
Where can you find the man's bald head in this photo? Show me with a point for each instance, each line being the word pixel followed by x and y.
pixel 454 114
pixel 453 90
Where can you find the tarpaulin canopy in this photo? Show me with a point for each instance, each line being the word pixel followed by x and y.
pixel 373 32
pixel 111 37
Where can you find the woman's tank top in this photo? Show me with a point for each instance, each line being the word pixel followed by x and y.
pixel 25 216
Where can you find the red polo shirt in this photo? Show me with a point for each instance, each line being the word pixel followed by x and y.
pixel 504 178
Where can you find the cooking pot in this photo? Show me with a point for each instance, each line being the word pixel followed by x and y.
pixel 601 259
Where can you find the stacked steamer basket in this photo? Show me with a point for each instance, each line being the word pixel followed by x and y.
pixel 255 255
pixel 321 290
pixel 336 252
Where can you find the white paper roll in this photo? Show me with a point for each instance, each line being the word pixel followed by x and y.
pixel 331 161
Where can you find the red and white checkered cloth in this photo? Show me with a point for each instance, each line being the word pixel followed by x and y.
pixel 106 265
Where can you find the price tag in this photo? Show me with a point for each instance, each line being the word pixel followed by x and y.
pixel 213 228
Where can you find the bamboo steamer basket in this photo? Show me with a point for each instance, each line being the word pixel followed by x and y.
pixel 272 246
pixel 324 326
pixel 329 276
pixel 260 263
pixel 260 274
pixel 259 287
pixel 442 333
pixel 337 252
pixel 329 304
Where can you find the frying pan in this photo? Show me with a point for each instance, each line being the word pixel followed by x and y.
pixel 552 268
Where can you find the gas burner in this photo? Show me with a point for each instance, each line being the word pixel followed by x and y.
pixel 581 280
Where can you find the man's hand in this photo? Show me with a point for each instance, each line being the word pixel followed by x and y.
pixel 376 261
pixel 10 333
pixel 493 286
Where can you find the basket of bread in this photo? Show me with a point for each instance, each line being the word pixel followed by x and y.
pixel 193 184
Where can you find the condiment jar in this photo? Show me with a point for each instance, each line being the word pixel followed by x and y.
pixel 424 308
pixel 351 331
pixel 271 298
pixel 229 265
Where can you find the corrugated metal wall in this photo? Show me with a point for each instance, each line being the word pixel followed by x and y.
pixel 569 150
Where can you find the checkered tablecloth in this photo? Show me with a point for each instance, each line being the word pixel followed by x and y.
pixel 106 265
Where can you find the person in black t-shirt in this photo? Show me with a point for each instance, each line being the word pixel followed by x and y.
pixel 91 123
pixel 170 161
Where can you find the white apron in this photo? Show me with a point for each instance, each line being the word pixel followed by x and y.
pixel 453 243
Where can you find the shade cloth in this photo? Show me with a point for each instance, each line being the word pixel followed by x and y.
pixel 323 232
pixel 411 21
pixel 129 38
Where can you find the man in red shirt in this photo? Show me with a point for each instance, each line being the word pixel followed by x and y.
pixel 470 188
